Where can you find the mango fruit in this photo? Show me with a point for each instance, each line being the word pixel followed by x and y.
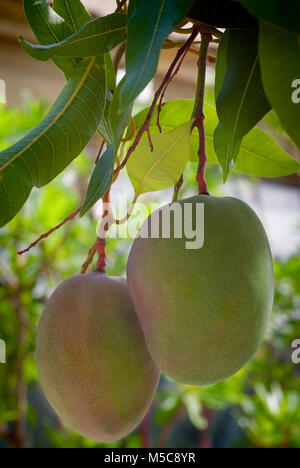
pixel 204 310
pixel 93 363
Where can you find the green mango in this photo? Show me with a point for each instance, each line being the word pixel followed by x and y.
pixel 204 307
pixel 92 358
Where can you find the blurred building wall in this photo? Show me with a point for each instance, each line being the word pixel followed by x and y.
pixel 43 79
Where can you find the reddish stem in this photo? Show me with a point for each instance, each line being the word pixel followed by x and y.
pixel 150 140
pixel 160 104
pixel 100 244
pixel 100 151
pixel 101 251
pixel 177 187
pixel 198 113
pixel 181 52
pixel 201 180
pixel 47 234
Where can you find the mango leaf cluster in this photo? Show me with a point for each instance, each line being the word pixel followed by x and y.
pixel 257 71
pixel 79 46
pixel 259 154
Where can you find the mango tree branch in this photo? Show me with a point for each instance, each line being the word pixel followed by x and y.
pixel 100 151
pixel 89 259
pixel 208 29
pixel 47 234
pixel 174 68
pixel 198 113
pixel 123 220
pixel 120 5
pixel 99 245
pixel 170 74
pixel 177 187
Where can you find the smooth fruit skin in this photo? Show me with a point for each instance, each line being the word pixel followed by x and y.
pixel 204 312
pixel 92 358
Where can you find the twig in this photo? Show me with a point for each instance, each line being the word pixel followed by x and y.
pixel 118 56
pixel 207 29
pixel 176 45
pixel 47 234
pixel 166 87
pixel 132 131
pixel 120 4
pixel 123 220
pixel 150 140
pixel 198 113
pixel 101 241
pixel 177 187
pixel 89 259
pixel 100 151
pixel 183 30
pixel 99 246
pixel 165 81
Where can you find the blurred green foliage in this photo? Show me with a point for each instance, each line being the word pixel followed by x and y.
pixel 260 406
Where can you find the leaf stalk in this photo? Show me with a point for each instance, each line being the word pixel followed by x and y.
pixel 198 113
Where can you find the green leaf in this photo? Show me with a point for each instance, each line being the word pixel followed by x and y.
pixel 49 28
pixel 119 120
pixel 110 73
pixel 176 113
pixel 100 181
pixel 73 12
pixel 131 7
pixel 221 64
pixel 149 25
pixel 76 16
pixel 222 145
pixel 161 168
pixel 280 65
pixel 260 155
pixel 96 37
pixel 42 154
pixel 241 101
pixel 221 14
pixel 104 128
pixel 281 13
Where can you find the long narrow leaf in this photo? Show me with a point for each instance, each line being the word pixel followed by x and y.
pixel 100 181
pixel 41 155
pixel 73 12
pixel 149 24
pixel 49 28
pixel 119 120
pixel 280 64
pixel 241 100
pixel 96 37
